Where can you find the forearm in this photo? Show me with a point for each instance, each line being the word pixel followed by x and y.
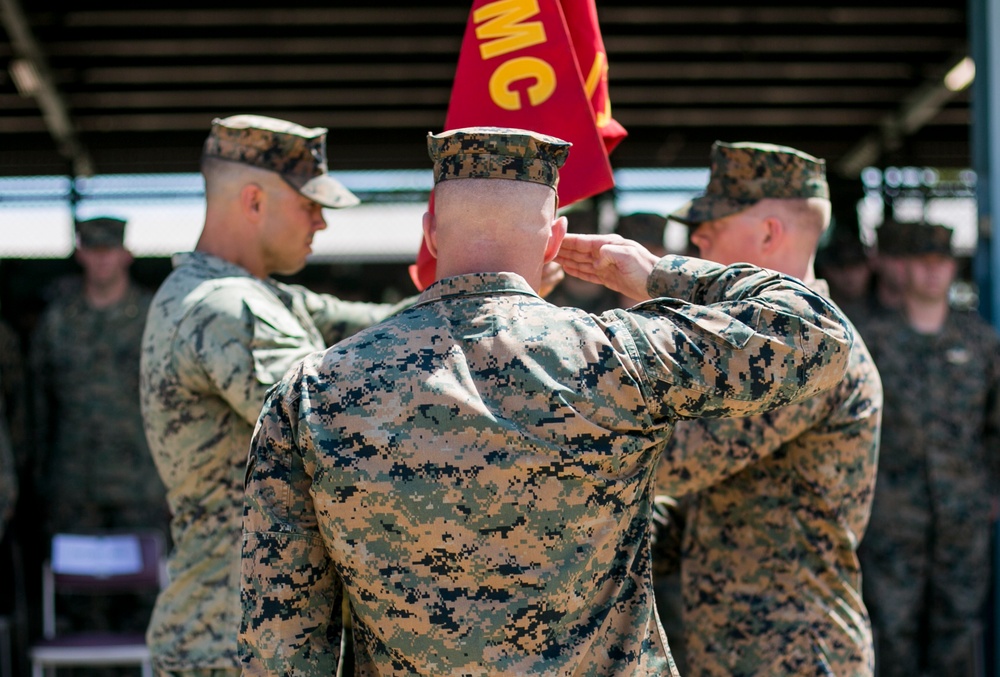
pixel 770 340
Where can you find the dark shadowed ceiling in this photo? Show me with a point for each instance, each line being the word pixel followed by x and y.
pixel 140 86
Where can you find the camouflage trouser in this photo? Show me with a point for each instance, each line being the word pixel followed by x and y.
pixel 926 574
pixel 217 672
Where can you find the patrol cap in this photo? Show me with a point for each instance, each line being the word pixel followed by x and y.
pixel 104 231
pixel 931 238
pixel 745 173
pixel 497 153
pixel 296 153
pixel 643 227
pixel 895 238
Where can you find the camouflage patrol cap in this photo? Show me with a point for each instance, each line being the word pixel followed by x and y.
pixel 743 174
pixel 895 238
pixel 643 227
pixel 296 153
pixel 497 153
pixel 104 231
pixel 931 238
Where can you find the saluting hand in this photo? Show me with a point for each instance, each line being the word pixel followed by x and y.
pixel 619 264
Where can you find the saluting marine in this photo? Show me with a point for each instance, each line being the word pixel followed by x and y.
pixel 475 473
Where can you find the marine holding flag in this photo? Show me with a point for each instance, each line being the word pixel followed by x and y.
pixel 538 65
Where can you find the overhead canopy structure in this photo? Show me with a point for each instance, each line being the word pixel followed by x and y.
pixel 134 90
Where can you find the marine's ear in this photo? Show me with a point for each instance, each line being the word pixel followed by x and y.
pixel 559 227
pixel 775 232
pixel 252 201
pixel 430 233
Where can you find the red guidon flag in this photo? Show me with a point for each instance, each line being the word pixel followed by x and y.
pixel 538 65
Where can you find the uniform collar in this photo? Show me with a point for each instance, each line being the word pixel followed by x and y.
pixel 209 265
pixel 477 284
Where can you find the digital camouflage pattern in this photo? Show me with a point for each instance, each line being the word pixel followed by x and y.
pixel 94 465
pixel 743 174
pixel 497 153
pixel 775 506
pixel 100 232
pixel 476 472
pixel 930 525
pixel 216 339
pixel 295 152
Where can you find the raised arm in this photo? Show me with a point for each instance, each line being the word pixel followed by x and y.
pixel 717 340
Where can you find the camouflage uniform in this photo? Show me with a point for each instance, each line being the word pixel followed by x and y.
pixel 95 469
pixel 476 471
pixel 216 339
pixel 769 574
pixel 776 504
pixel 926 557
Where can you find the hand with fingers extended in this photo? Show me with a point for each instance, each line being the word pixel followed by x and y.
pixel 611 260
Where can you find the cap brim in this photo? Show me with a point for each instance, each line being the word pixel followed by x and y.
pixel 707 208
pixel 328 192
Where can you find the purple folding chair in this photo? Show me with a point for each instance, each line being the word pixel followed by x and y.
pixel 83 649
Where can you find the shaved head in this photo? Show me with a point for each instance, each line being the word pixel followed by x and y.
pixel 810 215
pixel 494 225
pixel 493 207
pixel 226 178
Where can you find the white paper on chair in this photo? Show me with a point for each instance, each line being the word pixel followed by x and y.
pixel 96 555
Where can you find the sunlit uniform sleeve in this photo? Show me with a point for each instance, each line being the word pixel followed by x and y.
pixel 743 340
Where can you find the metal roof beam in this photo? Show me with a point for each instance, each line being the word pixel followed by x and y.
pixel 32 77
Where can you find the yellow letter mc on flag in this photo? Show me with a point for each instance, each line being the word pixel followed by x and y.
pixel 538 65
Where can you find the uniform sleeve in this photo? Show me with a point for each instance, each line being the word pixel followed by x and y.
pixel 734 340
pixel 704 451
pixel 291 598
pixel 239 345
pixel 337 319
